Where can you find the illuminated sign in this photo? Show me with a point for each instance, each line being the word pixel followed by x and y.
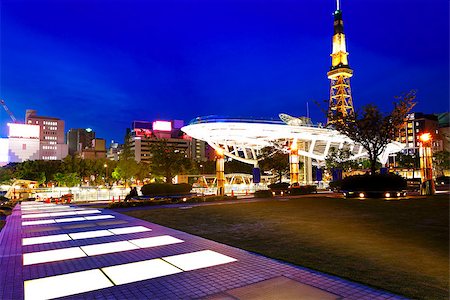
pixel 162 126
pixel 24 131
pixel 142 132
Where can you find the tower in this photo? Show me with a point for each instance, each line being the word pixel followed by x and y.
pixel 341 103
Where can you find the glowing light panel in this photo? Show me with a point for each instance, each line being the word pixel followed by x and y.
pixel 52 255
pixel 45 215
pixel 65 285
pixel 23 130
pixel 105 248
pixel 162 125
pixel 45 239
pixel 132 229
pixel 39 222
pixel 65 220
pixel 88 211
pixel 198 260
pixel 138 271
pixel 89 234
pixel 99 217
pixel 155 241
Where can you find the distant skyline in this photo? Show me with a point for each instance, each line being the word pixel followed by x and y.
pixel 103 64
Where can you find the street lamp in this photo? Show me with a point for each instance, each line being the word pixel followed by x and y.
pixel 106 172
pixel 426 164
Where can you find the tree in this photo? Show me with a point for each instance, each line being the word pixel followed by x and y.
pixel 340 159
pixel 276 160
pixel 167 160
pixel 441 161
pixel 373 130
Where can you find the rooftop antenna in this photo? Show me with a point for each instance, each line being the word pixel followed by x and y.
pixel 338 4
pixel 307 109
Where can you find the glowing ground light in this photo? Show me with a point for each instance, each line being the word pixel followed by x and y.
pixel 90 234
pixel 105 248
pixel 126 230
pixel 155 241
pixel 52 255
pixel 39 222
pixel 198 260
pixel 361 195
pixel 64 285
pixel 138 271
pixel 45 239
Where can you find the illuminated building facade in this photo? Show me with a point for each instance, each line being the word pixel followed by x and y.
pixel 415 125
pixel 97 150
pixel 23 143
pixel 341 102
pixel 79 139
pixel 52 144
pixel 144 134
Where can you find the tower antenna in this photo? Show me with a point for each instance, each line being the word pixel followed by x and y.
pixel 338 4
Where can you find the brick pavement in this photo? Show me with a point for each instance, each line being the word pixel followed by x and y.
pixel 227 269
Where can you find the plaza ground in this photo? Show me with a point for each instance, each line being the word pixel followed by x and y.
pixel 50 251
pixel 397 245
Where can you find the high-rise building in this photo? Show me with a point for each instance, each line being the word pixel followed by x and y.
pixel 341 102
pixel 79 139
pixel 52 145
pixel 415 125
pixel 96 151
pixel 142 138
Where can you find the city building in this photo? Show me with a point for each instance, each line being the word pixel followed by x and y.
pixel 114 151
pixel 96 151
pixel 22 144
pixel 444 130
pixel 51 135
pixel 415 125
pixel 143 134
pixel 79 139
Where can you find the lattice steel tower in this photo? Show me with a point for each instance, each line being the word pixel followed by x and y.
pixel 341 103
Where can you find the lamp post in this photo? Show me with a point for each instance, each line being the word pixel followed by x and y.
pixel 293 162
pixel 426 165
pixel 220 173
pixel 106 173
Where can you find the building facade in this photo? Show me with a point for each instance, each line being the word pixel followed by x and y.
pixel 79 139
pixel 52 144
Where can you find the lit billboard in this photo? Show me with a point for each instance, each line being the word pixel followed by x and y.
pixel 162 126
pixel 23 131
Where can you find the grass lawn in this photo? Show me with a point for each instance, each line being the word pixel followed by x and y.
pixel 400 246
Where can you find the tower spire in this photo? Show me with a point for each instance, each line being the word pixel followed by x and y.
pixel 341 103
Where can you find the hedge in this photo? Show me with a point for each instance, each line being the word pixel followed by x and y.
pixel 263 194
pixel 162 189
pixel 376 182
pixel 303 189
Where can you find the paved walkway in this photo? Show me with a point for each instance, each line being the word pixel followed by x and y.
pixel 49 251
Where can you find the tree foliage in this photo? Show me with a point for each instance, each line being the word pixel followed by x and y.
pixel 275 160
pixel 340 159
pixel 441 161
pixel 372 129
pixel 167 161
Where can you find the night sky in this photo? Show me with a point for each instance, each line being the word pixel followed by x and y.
pixel 103 64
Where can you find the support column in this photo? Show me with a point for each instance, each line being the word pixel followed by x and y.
pixel 293 162
pixel 426 167
pixel 220 173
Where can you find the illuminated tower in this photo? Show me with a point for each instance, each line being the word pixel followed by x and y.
pixel 341 103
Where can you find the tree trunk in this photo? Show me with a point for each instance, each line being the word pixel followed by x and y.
pixel 373 166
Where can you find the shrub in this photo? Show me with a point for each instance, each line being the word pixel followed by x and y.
pixel 303 189
pixel 376 182
pixel 279 186
pixel 263 194
pixel 161 189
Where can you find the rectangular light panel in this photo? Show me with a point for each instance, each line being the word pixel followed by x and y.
pixel 105 248
pixel 198 260
pixel 155 241
pixel 45 215
pixel 138 271
pixel 65 285
pixel 88 211
pixel 132 229
pixel 39 222
pixel 52 255
pixel 99 217
pixel 45 239
pixel 64 220
pixel 89 234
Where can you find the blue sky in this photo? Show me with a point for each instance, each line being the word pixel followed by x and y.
pixel 103 64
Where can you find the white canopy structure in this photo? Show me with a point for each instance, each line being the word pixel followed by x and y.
pixel 242 139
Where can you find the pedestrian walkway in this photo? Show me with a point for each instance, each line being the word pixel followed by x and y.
pixel 50 251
